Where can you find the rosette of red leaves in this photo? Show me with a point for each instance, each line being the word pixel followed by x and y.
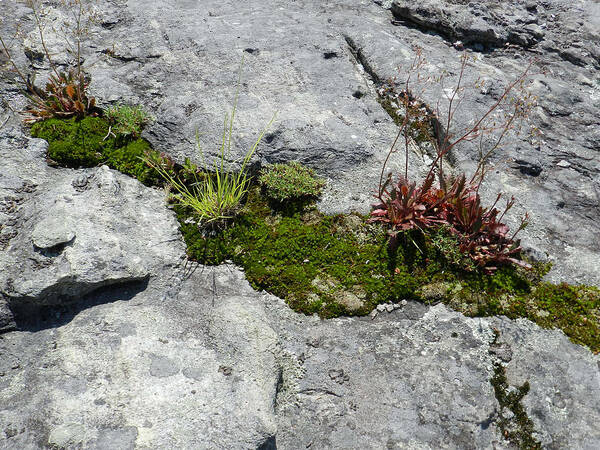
pixel 480 232
pixel 65 96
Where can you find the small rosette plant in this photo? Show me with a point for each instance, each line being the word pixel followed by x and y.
pixel 479 231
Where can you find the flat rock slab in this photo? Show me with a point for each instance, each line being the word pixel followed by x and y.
pixel 73 237
pixel 65 233
pixel 200 360
pixel 152 371
pixel 550 403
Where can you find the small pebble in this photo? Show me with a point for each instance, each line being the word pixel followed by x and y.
pixel 404 302
pixel 380 308
pixel 389 307
pixel 563 163
pixel 507 414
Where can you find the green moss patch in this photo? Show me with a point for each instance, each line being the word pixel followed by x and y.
pixel 340 265
pixel 87 143
pixel 290 182
pixel 514 424
pixel 331 265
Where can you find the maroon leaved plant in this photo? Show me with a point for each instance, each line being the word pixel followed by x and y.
pixel 481 235
pixel 65 96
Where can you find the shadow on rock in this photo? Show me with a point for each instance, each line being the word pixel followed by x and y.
pixel 32 317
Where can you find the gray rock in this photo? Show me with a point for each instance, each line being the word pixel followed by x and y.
pixel 53 231
pixel 194 358
pixel 137 382
pixel 550 403
pixel 67 435
pixel 555 28
pixel 485 22
pixel 7 321
pixel 119 231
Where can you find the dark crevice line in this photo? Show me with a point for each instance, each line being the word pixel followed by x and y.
pixel 437 127
pixel 516 427
pixel 361 60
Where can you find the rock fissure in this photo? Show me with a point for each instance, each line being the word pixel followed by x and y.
pixel 511 419
pixel 361 59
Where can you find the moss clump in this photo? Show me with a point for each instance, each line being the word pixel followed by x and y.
pixel 290 182
pixel 73 143
pixel 573 309
pixel 87 143
pixel 127 121
pixel 127 159
pixel 312 261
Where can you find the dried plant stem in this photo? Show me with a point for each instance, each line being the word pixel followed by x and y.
pixel 10 58
pixel 478 129
pixel 32 5
pixel 415 66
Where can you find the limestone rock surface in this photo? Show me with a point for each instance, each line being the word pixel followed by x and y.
pixel 111 339
pixel 79 231
pixel 319 66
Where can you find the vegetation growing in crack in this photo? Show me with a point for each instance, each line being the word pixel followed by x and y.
pixel 453 201
pixel 213 194
pixel 340 265
pixel 290 182
pixel 65 94
pixel 513 423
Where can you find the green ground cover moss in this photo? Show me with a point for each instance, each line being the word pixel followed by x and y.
pixel 340 265
pixel 87 143
pixel 519 429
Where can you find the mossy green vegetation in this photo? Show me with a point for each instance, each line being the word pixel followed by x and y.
pixel 87 142
pixel 331 265
pixel 127 120
pixel 342 265
pixel 290 182
pixel 516 427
